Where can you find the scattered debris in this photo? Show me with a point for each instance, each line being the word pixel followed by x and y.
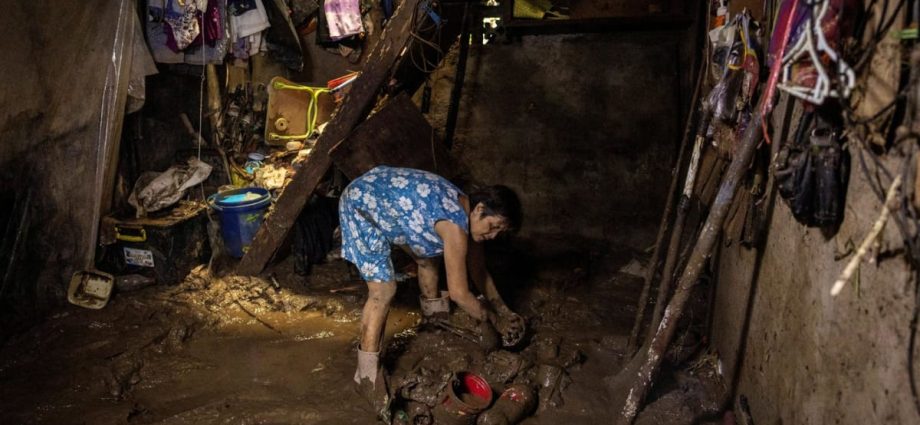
pixel 634 268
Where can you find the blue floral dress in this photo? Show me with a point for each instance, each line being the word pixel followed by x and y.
pixel 395 206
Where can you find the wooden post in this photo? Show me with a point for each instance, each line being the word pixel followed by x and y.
pixel 652 266
pixel 454 107
pixel 698 258
pixel 360 99
pixel 683 206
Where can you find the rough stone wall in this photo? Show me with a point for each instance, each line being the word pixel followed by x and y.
pixel 801 356
pixel 584 127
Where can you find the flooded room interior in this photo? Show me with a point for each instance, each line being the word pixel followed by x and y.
pixel 458 212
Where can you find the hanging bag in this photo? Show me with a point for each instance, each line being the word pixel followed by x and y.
pixel 812 172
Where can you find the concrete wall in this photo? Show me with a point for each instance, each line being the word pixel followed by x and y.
pixel 56 55
pixel 584 127
pixel 801 356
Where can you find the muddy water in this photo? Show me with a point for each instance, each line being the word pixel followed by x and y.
pixel 189 355
pixel 237 350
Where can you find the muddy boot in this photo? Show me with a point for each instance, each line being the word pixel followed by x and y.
pixel 435 308
pixel 371 383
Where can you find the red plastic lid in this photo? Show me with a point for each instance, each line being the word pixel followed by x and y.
pixel 475 385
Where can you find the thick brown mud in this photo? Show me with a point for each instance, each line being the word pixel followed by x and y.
pixel 282 350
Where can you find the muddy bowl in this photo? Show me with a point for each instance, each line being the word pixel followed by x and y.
pixel 466 396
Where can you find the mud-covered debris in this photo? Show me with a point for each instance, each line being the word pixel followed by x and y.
pixel 501 367
pixel 616 342
pixel 137 411
pixel 419 414
pixel 489 339
pixel 551 349
pixel 569 357
pixel 552 381
pixel 124 375
pixel 173 339
pixel 515 403
pixel 133 282
pixel 423 385
pixel 318 335
pixel 634 268
pixel 461 361
pixel 546 347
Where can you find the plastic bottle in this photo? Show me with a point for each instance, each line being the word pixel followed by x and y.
pixel 254 163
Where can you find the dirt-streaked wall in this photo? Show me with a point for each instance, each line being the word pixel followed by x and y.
pixel 585 127
pixel 802 356
pixel 56 55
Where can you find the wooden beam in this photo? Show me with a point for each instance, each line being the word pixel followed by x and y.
pixel 702 250
pixel 397 135
pixel 358 102
pixel 675 22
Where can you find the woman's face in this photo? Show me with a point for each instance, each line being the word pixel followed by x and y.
pixel 485 227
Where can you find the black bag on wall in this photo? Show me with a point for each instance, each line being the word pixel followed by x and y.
pixel 812 172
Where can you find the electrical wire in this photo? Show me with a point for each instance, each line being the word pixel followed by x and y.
pixel 881 28
pixel 420 28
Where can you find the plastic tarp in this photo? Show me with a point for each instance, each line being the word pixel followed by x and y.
pixel 67 66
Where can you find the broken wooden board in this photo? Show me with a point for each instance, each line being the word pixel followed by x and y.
pixel 399 136
pixel 355 107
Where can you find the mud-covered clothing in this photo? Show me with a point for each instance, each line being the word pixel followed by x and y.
pixel 395 206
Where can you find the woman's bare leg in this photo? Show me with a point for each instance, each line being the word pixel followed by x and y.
pixel 374 316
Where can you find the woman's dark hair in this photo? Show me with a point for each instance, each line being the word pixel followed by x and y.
pixel 499 200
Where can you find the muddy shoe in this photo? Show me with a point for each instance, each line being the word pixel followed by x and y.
pixel 434 309
pixel 371 383
pixel 377 394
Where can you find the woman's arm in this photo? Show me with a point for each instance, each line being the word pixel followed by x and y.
pixel 476 261
pixel 508 323
pixel 455 253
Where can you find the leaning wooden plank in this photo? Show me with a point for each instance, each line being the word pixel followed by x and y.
pixel 355 107
pixel 651 360
pixel 397 135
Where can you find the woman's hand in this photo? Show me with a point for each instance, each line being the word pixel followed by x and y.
pixel 511 326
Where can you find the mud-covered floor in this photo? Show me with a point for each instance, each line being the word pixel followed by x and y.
pixel 282 350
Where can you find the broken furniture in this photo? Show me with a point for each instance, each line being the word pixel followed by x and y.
pixel 165 246
pixel 294 111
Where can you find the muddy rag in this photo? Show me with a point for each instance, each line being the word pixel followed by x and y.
pixel 155 191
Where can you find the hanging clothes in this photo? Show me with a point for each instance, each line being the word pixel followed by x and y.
pixel 343 18
pixel 142 65
pixel 177 31
pixel 239 7
pixel 216 36
pixel 159 34
pixel 252 21
pixel 184 21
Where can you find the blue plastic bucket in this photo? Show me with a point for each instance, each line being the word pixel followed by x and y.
pixel 241 212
